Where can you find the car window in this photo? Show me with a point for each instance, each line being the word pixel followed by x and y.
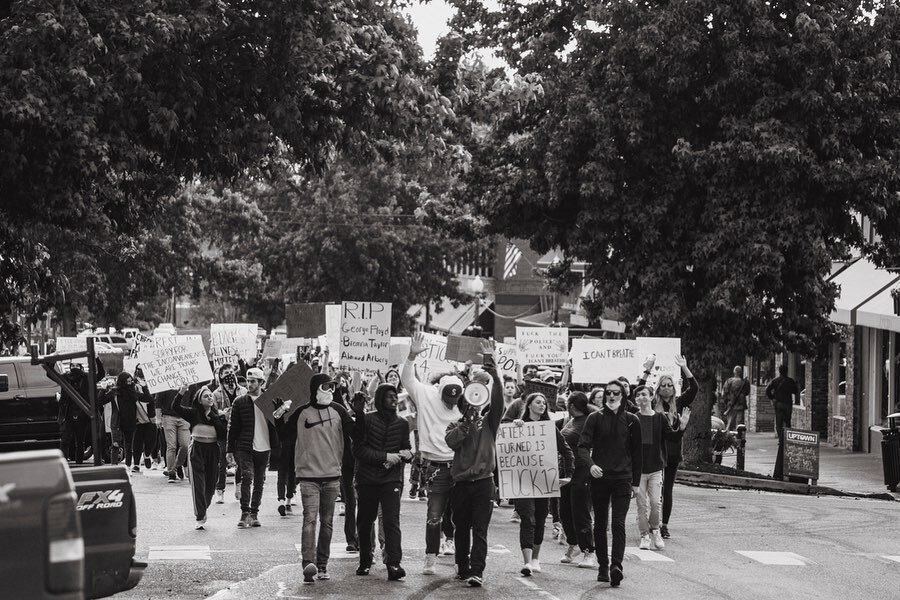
pixel 9 370
pixel 34 376
pixel 118 340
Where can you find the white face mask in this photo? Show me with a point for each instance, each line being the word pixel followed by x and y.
pixel 613 405
pixel 324 397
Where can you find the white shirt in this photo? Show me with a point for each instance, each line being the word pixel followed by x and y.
pixel 261 442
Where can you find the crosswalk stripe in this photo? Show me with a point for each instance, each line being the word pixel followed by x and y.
pixel 775 558
pixel 179 553
pixel 893 558
pixel 498 549
pixel 338 550
pixel 647 555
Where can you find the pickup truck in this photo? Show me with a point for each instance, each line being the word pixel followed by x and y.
pixel 65 533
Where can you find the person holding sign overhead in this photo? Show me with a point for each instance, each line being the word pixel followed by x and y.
pixel 611 443
pixel 533 511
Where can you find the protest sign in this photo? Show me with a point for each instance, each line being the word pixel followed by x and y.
pixel 665 349
pixel 507 365
pixel 399 351
pixel 462 348
pixel 174 361
pixel 67 345
pixel 549 390
pixel 292 385
pixel 434 359
pixel 272 348
pixel 365 336
pixel 527 464
pixel 129 365
pixel 230 341
pixel 599 361
pixel 305 320
pixel 542 345
pixel 333 332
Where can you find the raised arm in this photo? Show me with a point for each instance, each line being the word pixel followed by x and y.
pixel 414 387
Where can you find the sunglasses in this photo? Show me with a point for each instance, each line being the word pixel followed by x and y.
pixel 613 392
pixel 328 387
pixel 666 385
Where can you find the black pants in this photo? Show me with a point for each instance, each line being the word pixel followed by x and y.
pixel 575 510
pixel 75 434
pixel 144 438
pixel 668 485
pixel 554 509
pixel 128 444
pixel 603 493
pixel 783 414
pixel 223 465
pixel 253 466
pixel 203 460
pixel 348 497
pixel 473 504
pixel 447 522
pixel 387 496
pixel 287 478
pixel 533 514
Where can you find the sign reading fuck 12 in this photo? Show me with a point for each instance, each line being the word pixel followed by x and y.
pixel 542 345
pixel 365 340
pixel 527 465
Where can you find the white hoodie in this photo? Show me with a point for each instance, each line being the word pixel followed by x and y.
pixel 432 416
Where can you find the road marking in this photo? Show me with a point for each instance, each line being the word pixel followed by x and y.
pixel 775 558
pixel 179 553
pixel 893 558
pixel 338 550
pixel 536 588
pixel 646 555
pixel 498 549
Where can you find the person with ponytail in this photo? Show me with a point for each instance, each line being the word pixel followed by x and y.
pixel 575 498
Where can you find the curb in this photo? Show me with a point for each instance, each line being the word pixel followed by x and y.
pixel 700 479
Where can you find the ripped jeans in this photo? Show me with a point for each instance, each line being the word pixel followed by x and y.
pixel 439 484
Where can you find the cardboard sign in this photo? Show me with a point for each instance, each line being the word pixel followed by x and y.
pixel 549 390
pixel 305 320
pixel 434 359
pixel 542 345
pixel 801 453
pixel 527 462
pixel 67 345
pixel 292 385
pixel 665 349
pixel 599 361
pixel 230 341
pixel 365 336
pixel 333 332
pixel 507 365
pixel 174 361
pixel 461 348
pixel 272 348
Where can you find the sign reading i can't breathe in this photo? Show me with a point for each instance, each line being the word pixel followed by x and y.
pixel 527 465
pixel 365 336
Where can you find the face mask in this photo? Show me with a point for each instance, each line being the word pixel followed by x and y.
pixel 324 397
pixel 613 405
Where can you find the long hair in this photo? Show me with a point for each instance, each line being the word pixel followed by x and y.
pixel 579 400
pixel 531 398
pixel 667 407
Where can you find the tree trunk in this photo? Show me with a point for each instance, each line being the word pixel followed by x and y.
pixel 69 326
pixel 696 442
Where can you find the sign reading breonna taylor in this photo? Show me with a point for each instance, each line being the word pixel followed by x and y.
pixel 527 465
pixel 365 336
pixel 174 361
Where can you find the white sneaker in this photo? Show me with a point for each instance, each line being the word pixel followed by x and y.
pixel 449 548
pixel 589 561
pixel 535 565
pixel 199 524
pixel 220 496
pixel 657 539
pixel 430 560
pixel 570 555
pixel 443 549
pixel 341 510
pixel 237 493
pixel 645 542
pixel 514 518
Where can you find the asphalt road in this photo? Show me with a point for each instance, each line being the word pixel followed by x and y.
pixel 837 548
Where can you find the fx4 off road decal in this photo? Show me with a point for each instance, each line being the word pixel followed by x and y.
pixel 100 500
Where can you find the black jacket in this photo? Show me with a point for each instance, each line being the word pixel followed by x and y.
pixel 375 435
pixel 612 440
pixel 242 426
pixel 673 442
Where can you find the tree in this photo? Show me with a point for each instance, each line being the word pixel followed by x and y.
pixel 707 159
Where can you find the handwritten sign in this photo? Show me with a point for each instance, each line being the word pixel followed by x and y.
pixel 462 348
pixel 305 320
pixel 599 361
pixel 665 349
pixel 272 348
pixel 542 345
pixel 507 365
pixel 365 336
pixel 230 341
pixel 527 464
pixel 293 385
pixel 173 361
pixel 550 391
pixel 801 453
pixel 67 345
pixel 333 332
pixel 434 359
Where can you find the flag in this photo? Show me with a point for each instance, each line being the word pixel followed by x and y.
pixel 511 262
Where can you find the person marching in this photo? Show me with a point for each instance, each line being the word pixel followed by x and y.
pixel 575 498
pixel 533 511
pixel 611 444
pixel 674 409
pixel 381 446
pixel 224 397
pixel 207 426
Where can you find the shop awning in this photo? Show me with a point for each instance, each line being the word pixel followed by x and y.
pixel 860 283
pixel 543 319
pixel 878 312
pixel 451 320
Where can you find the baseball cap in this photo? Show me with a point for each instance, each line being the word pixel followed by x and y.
pixel 451 388
pixel 255 373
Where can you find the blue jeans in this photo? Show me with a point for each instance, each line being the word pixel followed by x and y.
pixel 253 466
pixel 178 437
pixel 318 499
pixel 440 484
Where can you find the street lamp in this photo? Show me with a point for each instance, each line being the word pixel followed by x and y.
pixel 476 286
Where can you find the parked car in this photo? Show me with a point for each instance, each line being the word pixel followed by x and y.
pixel 164 329
pixel 117 341
pixel 28 406
pixel 130 335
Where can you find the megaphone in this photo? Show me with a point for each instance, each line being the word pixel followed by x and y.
pixel 477 394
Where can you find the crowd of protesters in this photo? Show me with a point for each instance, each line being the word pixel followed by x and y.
pixel 350 440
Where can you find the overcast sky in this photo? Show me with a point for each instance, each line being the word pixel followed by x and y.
pixel 431 21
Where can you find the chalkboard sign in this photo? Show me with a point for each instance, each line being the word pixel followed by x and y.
pixel 801 453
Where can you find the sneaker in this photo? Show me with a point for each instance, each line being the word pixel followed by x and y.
pixel 462 573
pixel 449 547
pixel 220 496
pixel 645 542
pixel 423 496
pixel 309 573
pixel 514 518
pixel 281 510
pixel 589 561
pixel 395 573
pixel 254 520
pixel 288 510
pixel 535 565
pixel 429 569
pixel 148 464
pixel 341 510
pixel 570 555
pixel 558 534
pixel 443 546
pixel 245 521
pixel 352 548
pixel 172 477
pixel 475 581
pixel 603 574
pixel 657 539
pixel 361 570
pixel 200 523
pixel 664 531
pixel 229 471
pixel 615 576
pixel 323 574
pixel 413 493
pixel 180 472
pixel 526 570
pixel 135 469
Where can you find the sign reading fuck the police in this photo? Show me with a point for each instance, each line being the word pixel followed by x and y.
pixel 365 341
pixel 527 464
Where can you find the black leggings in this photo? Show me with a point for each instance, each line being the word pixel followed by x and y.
pixel 142 442
pixel 668 484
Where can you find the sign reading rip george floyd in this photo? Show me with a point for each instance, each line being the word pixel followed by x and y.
pixel 305 320
pixel 542 345
pixel 365 336
pixel 230 341
pixel 527 461
pixel 173 361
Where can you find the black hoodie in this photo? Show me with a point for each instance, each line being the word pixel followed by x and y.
pixel 322 433
pixel 374 436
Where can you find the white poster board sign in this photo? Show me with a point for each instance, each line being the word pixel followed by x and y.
pixel 527 464
pixel 67 345
pixel 507 364
pixel 399 351
pixel 333 332
pixel 434 359
pixel 174 361
pixel 230 341
pixel 599 361
pixel 542 345
pixel 665 349
pixel 365 336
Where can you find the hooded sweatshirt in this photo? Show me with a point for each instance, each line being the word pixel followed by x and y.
pixel 322 433
pixel 433 415
pixel 374 436
pixel 474 455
